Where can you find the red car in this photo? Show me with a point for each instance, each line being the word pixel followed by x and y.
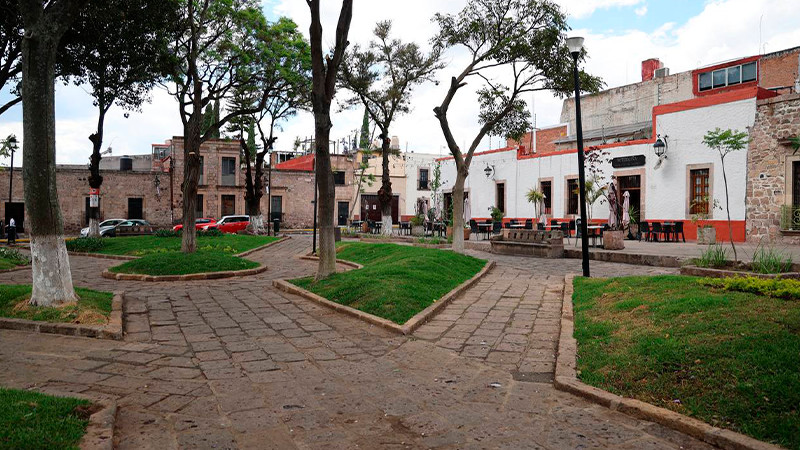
pixel 198 223
pixel 229 224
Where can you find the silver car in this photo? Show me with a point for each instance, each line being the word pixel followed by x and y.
pixel 105 227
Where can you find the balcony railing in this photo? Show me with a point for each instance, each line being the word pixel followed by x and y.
pixel 790 217
pixel 423 185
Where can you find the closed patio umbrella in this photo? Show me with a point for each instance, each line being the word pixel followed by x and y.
pixel 613 204
pixel 626 205
pixel 467 211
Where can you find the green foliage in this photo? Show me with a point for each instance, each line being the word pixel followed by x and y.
pixel 167 233
pixel 179 263
pixel 715 256
pixel 795 141
pixel 725 141
pixel 364 138
pixel 770 260
pixel 728 358
pixel 92 308
pixel 436 240
pixel 137 245
pixel 496 214
pixel 85 244
pixel 11 257
pixel 784 288
pixel 417 221
pixel 31 420
pixel 8 144
pixel 534 196
pixel 397 281
pixel 210 233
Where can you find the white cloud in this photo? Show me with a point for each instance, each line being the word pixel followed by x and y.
pixel 641 11
pixel 580 9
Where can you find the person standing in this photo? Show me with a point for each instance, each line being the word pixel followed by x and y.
pixel 12 232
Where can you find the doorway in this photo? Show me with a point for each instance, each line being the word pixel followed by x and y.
pixel 228 205
pixel 343 209
pixel 371 208
pixel 632 184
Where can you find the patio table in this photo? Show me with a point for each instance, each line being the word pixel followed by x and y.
pixel 485 228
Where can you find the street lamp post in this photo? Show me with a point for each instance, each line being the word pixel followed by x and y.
pixel 575 45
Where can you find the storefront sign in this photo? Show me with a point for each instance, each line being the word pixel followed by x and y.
pixel 628 161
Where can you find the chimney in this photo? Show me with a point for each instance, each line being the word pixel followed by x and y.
pixel 649 67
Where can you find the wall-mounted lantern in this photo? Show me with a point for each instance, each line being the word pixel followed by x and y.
pixel 660 146
pixel 488 171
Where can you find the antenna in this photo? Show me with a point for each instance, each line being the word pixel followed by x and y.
pixel 761 19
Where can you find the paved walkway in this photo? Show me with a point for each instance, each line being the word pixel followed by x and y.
pixel 238 364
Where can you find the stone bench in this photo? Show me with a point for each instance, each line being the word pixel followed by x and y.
pixel 537 243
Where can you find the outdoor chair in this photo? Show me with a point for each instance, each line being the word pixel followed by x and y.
pixel 571 227
pixel 509 223
pixel 539 226
pixel 644 230
pixel 578 234
pixel 678 229
pixel 657 231
pixel 565 230
pixel 528 224
pixel 473 226
pixel 553 223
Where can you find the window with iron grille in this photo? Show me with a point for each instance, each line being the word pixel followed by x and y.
pixel 699 186
pixel 423 180
pixel 572 196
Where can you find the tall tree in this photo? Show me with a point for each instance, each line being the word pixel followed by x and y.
pixel 522 41
pixel 118 48
pixel 363 139
pixel 324 69
pixel 11 47
pixel 381 78
pixel 216 50
pixel 45 24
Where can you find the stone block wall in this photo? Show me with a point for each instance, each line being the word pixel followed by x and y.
pixel 777 119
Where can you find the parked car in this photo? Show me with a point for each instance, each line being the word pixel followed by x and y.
pixel 198 223
pixel 132 227
pixel 105 227
pixel 229 224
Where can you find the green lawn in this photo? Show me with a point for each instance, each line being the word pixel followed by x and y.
pixel 11 258
pixel 92 308
pixel 178 263
pixel 145 245
pixel 731 359
pixel 397 281
pixel 30 420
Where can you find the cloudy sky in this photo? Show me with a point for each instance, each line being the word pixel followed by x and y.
pixel 684 34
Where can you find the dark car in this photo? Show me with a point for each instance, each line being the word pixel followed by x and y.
pixel 132 227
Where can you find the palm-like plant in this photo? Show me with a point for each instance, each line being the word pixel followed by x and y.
pixel 536 197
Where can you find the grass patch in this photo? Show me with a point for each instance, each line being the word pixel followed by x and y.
pixel 34 420
pixel 731 359
pixel 146 245
pixel 178 263
pixel 11 258
pixel 93 307
pixel 397 281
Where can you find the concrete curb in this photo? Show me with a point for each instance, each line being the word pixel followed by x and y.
pixel 111 330
pixel 187 277
pixel 257 249
pixel 407 328
pixel 723 273
pixel 566 380
pixel 100 431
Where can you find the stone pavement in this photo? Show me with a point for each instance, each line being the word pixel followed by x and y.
pixel 237 364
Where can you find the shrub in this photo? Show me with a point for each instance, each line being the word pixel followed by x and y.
pixel 85 244
pixel 769 260
pixel 714 256
pixel 13 255
pixel 417 221
pixel 210 233
pixel 167 233
pixel 774 287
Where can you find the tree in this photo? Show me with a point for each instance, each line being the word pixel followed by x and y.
pixel 44 28
pixel 363 139
pixel 324 69
pixel 219 46
pixel 536 197
pixel 725 142
pixel 11 45
pixel 119 49
pixel 381 78
pixel 524 40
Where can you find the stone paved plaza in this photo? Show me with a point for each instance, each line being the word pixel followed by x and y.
pixel 238 364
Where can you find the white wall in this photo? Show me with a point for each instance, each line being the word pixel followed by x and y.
pixel 665 189
pixel 413 162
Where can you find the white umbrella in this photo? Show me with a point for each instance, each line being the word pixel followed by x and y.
pixel 626 204
pixel 424 210
pixel 543 218
pixel 612 205
pixel 467 211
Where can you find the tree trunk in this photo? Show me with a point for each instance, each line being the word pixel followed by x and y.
pixel 52 280
pixel 458 209
pixel 191 177
pixel 256 225
pixel 385 192
pixel 327 194
pixel 728 209
pixel 95 179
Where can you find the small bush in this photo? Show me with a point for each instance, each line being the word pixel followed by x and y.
pixel 210 233
pixel 769 260
pixel 85 244
pixel 167 233
pixel 714 256
pixel 14 256
pixel 434 240
pixel 775 287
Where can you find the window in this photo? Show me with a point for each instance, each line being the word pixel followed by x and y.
pixel 728 76
pixel 338 178
pixel 423 180
pixel 547 191
pixel 228 205
pixel 228 171
pixel 501 196
pixel 202 171
pixel 198 207
pixel 135 208
pixel 699 185
pixel 572 196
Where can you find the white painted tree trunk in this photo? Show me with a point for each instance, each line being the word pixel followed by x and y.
pixel 386 226
pixel 50 287
pixel 94 227
pixel 256 225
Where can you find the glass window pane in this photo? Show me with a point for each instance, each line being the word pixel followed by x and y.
pixel 749 72
pixel 734 75
pixel 719 78
pixel 705 81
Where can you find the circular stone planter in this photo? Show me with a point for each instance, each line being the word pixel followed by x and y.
pixel 187 277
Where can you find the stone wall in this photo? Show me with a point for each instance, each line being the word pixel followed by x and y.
pixel 769 154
